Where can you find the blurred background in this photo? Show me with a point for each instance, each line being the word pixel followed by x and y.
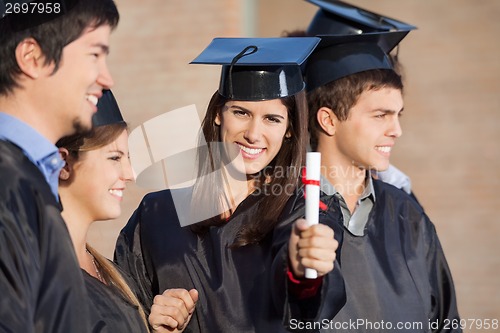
pixel 451 125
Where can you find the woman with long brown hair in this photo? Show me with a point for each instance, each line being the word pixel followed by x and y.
pixel 92 182
pixel 217 237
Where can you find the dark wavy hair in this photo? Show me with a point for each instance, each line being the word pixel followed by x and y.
pixel 209 190
pixel 52 36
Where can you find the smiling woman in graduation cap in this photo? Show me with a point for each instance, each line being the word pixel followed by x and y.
pixel 91 186
pixel 217 236
pixel 92 182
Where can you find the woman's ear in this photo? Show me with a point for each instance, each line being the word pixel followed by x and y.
pixel 327 120
pixel 217 119
pixel 288 134
pixel 65 172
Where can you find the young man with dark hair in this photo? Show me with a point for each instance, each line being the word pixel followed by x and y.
pixel 390 257
pixel 52 73
pixel 335 17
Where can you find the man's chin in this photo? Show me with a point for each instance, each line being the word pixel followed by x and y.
pixel 379 168
pixel 81 128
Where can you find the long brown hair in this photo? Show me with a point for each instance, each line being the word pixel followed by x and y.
pixel 112 275
pixel 282 173
pixel 97 138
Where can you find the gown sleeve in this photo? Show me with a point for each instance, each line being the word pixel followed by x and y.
pixel 444 315
pixel 331 295
pixel 130 258
pixel 15 270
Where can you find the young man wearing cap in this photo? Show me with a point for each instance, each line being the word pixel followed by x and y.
pixel 391 260
pixel 340 18
pixel 52 72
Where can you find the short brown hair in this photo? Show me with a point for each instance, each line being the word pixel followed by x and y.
pixel 342 94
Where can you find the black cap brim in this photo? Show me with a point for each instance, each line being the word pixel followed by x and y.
pixel 340 56
pixel 108 111
pixel 249 83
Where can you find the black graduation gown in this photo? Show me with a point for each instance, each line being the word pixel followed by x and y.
pixel 240 290
pixel 41 286
pixel 396 274
pixel 110 311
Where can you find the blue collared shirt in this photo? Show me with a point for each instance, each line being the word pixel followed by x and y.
pixel 35 146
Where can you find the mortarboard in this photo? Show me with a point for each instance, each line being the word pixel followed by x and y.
pixel 338 17
pixel 24 14
pixel 340 55
pixel 255 69
pixel 108 111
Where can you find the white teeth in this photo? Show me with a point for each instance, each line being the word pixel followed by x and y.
pixel 250 151
pixel 384 149
pixel 118 193
pixel 92 99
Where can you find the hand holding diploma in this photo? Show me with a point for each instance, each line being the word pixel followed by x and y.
pixel 312 247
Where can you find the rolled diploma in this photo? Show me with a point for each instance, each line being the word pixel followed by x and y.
pixel 313 168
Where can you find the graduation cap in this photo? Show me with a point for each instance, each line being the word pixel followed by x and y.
pixel 338 17
pixel 23 14
pixel 338 56
pixel 108 111
pixel 256 69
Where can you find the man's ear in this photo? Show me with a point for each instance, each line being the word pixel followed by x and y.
pixel 327 120
pixel 30 57
pixel 66 170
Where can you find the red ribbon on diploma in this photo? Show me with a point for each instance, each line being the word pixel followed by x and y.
pixel 306 181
